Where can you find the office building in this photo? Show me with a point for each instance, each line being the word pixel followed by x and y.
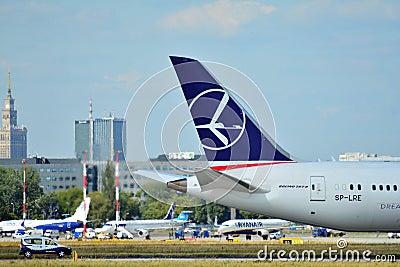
pixel 108 135
pixel 100 138
pixel 358 156
pixel 56 174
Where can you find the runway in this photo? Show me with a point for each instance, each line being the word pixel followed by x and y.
pixel 350 237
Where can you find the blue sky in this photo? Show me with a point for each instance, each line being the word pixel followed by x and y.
pixel 329 69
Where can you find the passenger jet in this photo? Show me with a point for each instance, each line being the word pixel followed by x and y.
pixel 144 227
pixel 249 171
pixel 248 227
pixel 67 224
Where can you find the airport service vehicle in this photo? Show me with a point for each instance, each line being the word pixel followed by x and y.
pixel 31 245
pixel 89 234
pixel 325 232
pixel 124 235
pixel 104 236
pixel 319 231
pixel 52 234
pixel 21 233
pixel 393 235
pixel 249 171
pixel 276 235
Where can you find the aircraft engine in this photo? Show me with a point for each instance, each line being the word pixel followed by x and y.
pixel 143 233
pixel 262 232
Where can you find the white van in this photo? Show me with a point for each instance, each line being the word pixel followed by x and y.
pixel 35 232
pixel 124 234
pixel 52 234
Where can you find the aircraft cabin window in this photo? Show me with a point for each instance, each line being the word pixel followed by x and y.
pixel 351 187
pixel 313 187
pixel 388 187
pixel 381 187
pixel 359 187
pixel 394 187
pixel 373 187
pixel 337 186
pixel 343 187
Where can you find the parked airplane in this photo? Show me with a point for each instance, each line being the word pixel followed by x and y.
pixel 9 227
pixel 144 227
pixel 251 172
pixel 67 224
pixel 248 227
pixel 62 225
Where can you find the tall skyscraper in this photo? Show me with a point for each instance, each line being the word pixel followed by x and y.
pixel 13 138
pixel 100 138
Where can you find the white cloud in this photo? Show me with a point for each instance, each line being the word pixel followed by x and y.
pixel 4 64
pixel 346 9
pixel 328 112
pixel 223 17
pixel 124 80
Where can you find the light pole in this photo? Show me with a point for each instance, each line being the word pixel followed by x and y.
pixel 24 195
pixel 84 191
pixel 13 207
pixel 117 213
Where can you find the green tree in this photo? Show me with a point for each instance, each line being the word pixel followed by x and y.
pixel 153 209
pixel 33 189
pixel 109 181
pixel 45 207
pixel 69 200
pixel 206 213
pixel 251 215
pixel 100 208
pixel 10 194
pixel 11 191
pixel 129 206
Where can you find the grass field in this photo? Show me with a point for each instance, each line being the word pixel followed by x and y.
pixel 196 263
pixel 96 253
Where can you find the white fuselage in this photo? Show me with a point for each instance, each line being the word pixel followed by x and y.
pixel 135 226
pixel 11 226
pixel 248 226
pixel 351 196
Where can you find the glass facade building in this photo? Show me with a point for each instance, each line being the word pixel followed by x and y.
pixel 108 136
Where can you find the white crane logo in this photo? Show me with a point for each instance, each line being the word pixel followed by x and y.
pixel 214 126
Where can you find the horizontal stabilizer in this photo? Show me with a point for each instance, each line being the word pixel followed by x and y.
pixel 159 176
pixel 241 185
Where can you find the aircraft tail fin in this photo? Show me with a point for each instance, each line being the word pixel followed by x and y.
pixel 80 213
pixel 170 213
pixel 216 221
pixel 183 216
pixel 226 131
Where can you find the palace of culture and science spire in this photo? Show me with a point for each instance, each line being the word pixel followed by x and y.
pixel 13 138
